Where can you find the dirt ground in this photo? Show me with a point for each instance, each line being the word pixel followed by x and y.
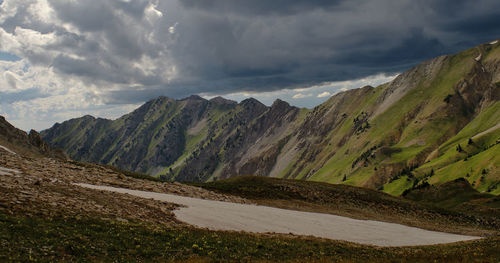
pixel 44 186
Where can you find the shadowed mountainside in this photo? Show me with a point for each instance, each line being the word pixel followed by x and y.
pixel 30 144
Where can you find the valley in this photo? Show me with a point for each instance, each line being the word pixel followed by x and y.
pixel 433 124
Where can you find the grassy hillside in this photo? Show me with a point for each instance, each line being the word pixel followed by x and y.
pixel 393 137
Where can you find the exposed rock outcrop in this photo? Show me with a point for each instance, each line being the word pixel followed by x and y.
pixel 31 144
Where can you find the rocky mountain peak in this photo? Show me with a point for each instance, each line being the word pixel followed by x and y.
pixel 88 117
pixel 193 98
pixel 281 105
pixel 251 102
pixel 222 101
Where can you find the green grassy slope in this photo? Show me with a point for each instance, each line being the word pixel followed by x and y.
pixel 446 102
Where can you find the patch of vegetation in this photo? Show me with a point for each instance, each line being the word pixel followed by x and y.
pixel 448 195
pixel 486 160
pixel 192 140
pixel 398 186
pixel 485 120
pixel 35 239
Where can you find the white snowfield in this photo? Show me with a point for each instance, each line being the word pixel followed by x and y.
pixel 7 149
pixel 217 215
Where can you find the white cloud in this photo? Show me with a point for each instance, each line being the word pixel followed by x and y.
pixel 324 94
pixel 171 29
pixel 40 96
pixel 8 9
pixel 8 42
pixel 42 11
pixel 152 14
pixel 301 96
pixel 10 79
pixel 32 38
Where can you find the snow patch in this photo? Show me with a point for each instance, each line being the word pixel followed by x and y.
pixel 217 215
pixel 478 57
pixel 7 149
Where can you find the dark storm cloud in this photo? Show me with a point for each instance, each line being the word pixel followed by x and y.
pixel 260 7
pixel 415 47
pixel 482 25
pixel 224 46
pixel 256 45
pixel 103 18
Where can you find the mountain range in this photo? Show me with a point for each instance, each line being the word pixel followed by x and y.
pixel 434 123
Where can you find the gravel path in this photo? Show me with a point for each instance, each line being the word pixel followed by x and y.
pixel 217 215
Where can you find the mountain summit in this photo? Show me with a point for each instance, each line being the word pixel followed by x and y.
pixel 434 123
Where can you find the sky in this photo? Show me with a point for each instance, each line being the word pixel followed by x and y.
pixel 61 59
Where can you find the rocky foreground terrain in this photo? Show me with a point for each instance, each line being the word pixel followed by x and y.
pixel 45 186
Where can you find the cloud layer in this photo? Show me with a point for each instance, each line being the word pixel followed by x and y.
pixel 110 52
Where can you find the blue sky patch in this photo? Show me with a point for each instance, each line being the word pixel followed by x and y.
pixel 8 56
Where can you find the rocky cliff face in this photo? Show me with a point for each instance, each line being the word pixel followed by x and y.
pixel 30 144
pixel 186 140
pixel 434 123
